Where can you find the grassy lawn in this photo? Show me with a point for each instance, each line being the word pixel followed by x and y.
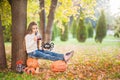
pixel 91 61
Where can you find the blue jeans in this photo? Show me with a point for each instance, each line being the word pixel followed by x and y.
pixel 44 54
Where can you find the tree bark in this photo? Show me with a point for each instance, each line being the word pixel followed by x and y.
pixel 42 19
pixel 50 21
pixel 3 63
pixel 19 23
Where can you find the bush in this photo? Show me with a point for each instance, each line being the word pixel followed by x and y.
pixel 74 28
pixel 54 32
pixel 101 28
pixel 90 30
pixel 64 35
pixel 7 33
pixel 81 30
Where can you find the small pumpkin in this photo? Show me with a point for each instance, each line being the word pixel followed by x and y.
pixel 31 62
pixel 29 70
pixel 58 66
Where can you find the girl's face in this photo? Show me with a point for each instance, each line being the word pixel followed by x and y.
pixel 34 28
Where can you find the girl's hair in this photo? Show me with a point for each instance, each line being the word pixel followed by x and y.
pixel 29 30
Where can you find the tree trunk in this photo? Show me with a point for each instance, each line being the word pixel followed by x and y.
pixel 42 19
pixel 19 20
pixel 50 21
pixel 3 63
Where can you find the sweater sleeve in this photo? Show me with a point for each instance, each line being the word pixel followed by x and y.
pixel 29 41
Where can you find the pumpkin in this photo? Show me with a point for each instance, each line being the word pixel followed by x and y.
pixel 58 66
pixel 31 62
pixel 29 70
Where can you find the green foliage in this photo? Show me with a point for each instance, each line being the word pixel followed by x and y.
pixel 7 33
pixel 53 34
pixel 89 29
pixel 101 28
pixel 32 11
pixel 64 10
pixel 55 31
pixel 88 7
pixel 74 28
pixel 117 27
pixel 81 30
pixel 15 76
pixel 5 12
pixel 64 34
pixel 68 8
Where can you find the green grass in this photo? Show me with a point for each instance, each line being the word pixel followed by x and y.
pixel 108 41
pixel 15 76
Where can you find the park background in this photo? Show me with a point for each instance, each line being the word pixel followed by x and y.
pixel 89 27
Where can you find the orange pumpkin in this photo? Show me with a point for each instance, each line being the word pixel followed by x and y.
pixel 58 66
pixel 29 70
pixel 31 62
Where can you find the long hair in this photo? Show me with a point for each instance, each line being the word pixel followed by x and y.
pixel 29 30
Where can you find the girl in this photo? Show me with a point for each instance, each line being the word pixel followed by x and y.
pixel 31 39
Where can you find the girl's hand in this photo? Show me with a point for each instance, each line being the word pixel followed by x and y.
pixel 35 38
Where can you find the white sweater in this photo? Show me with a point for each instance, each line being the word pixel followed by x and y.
pixel 31 44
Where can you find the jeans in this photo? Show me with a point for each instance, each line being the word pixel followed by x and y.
pixel 44 54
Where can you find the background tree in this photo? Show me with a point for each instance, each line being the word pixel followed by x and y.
pixel 101 28
pixel 64 34
pixel 74 28
pixel 89 29
pixel 48 33
pixel 6 20
pixel 7 33
pixel 55 31
pixel 117 27
pixel 42 19
pixel 81 30
pixel 47 30
pixel 3 63
pixel 19 20
pixel 66 9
